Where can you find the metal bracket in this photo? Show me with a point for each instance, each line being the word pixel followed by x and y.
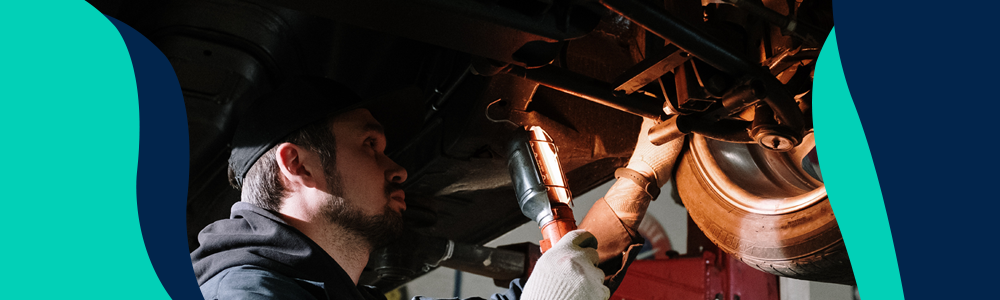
pixel 650 69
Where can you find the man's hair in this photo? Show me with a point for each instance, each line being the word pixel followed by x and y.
pixel 262 184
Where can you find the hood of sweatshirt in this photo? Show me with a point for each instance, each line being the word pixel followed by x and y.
pixel 258 237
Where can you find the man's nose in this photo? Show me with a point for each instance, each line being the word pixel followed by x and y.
pixel 395 172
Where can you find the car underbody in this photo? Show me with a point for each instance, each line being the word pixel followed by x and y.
pixel 450 80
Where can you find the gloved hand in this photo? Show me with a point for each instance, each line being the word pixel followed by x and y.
pixel 654 162
pixel 568 271
pixel 615 218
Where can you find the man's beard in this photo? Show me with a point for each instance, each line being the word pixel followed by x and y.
pixel 378 230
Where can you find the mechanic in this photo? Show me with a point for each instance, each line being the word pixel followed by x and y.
pixel 319 194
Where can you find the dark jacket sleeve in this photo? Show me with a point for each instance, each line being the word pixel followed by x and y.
pixel 248 282
pixel 513 291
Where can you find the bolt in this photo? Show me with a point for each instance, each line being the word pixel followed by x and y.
pixel 776 142
pixel 718 296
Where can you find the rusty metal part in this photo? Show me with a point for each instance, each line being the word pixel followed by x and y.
pixel 650 69
pixel 500 264
pixel 531 253
pixel 703 46
pixel 691 95
pixel 769 134
pixel 668 107
pixel 774 139
pixel 733 131
pixel 414 254
pixel 590 89
pixel 806 32
pixel 741 97
pixel 674 128
pixel 782 61
pixel 681 34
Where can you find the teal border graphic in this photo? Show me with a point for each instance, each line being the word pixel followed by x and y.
pixel 851 181
pixel 70 128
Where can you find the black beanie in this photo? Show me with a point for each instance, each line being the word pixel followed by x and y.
pixel 271 118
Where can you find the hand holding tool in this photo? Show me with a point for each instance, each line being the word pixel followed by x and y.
pixel 567 271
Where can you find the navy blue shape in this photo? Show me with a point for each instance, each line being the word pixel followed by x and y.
pixel 921 74
pixel 162 177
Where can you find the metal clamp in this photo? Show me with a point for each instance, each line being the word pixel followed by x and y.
pixel 446 256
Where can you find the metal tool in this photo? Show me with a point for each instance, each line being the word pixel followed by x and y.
pixel 540 184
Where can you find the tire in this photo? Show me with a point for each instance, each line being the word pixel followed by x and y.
pixel 764 208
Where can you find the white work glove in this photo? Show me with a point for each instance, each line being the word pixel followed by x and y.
pixel 654 162
pixel 568 271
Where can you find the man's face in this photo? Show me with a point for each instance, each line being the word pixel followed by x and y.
pixel 370 200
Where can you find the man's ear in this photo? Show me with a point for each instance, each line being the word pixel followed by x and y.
pixel 297 166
